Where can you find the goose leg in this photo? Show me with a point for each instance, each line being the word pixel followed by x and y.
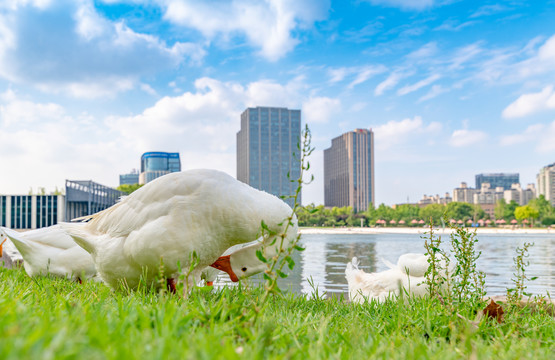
pixel 170 284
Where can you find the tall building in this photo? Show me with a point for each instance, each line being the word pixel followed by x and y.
pixel 520 195
pixel 497 180
pixel 267 150
pixel 155 164
pixel 129 179
pixel 546 183
pixel 31 211
pixel 464 194
pixel 349 170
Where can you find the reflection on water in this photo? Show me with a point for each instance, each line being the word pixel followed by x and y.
pixel 326 256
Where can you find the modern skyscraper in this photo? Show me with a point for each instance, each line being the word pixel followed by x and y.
pixel 267 150
pixel 546 183
pixel 349 170
pixel 155 164
pixel 497 180
pixel 129 179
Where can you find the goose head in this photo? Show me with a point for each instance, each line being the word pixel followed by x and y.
pixel 244 262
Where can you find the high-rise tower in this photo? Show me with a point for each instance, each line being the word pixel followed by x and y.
pixel 349 170
pixel 267 150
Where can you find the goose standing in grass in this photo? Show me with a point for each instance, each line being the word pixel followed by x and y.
pixel 50 250
pixel 407 275
pixel 160 225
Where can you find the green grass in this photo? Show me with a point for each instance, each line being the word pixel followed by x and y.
pixel 49 318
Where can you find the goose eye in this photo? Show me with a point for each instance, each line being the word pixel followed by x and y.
pixel 244 269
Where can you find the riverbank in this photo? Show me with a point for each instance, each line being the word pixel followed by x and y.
pixel 418 230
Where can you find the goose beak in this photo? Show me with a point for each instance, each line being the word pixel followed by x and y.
pixel 224 264
pixel 1 245
pixel 209 283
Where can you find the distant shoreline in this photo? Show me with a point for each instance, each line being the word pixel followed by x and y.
pixel 416 230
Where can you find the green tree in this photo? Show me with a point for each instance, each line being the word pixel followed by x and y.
pixel 460 211
pixel 509 213
pixel 433 211
pixel 526 212
pixel 499 210
pixel 543 207
pixel 406 212
pixel 128 189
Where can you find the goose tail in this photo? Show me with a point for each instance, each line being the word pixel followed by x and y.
pixel 352 272
pixel 79 234
pixel 20 243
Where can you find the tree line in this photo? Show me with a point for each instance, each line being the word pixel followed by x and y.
pixel 537 212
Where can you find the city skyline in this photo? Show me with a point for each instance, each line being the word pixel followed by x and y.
pixel 446 92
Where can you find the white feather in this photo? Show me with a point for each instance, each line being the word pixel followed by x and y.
pixel 205 211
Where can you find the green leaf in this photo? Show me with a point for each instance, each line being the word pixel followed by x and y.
pixel 260 256
pixel 290 262
pixel 281 274
pixel 533 278
pixel 299 248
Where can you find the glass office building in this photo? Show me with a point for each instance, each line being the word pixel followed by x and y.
pixel 155 164
pixel 349 170
pixel 129 179
pixel 31 211
pixel 266 148
pixel 497 180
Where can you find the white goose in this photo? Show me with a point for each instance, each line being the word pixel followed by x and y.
pixel 205 211
pixel 408 275
pixel 51 251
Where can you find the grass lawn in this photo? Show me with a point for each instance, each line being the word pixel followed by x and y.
pixel 49 318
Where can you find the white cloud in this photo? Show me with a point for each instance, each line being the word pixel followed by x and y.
pixel 405 4
pixel 361 74
pixel 532 132
pixel 528 104
pixel 546 145
pixel 320 109
pixel 392 80
pixel 539 135
pixel 80 52
pixel 420 84
pixel 267 25
pixel 21 112
pixel 199 124
pixel 397 132
pixel 464 137
pixel 424 52
pixel 436 90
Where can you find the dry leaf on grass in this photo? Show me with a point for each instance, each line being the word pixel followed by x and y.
pixel 494 311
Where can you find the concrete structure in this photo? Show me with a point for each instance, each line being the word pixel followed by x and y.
pixel 464 194
pixel 435 199
pixel 31 211
pixel 497 180
pixel 349 170
pixel 521 196
pixel 488 195
pixel 85 197
pixel 129 179
pixel 546 183
pixel 155 164
pixel 267 150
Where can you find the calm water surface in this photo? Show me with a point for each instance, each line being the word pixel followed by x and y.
pixel 326 255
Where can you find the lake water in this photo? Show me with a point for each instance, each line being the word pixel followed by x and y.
pixel 326 256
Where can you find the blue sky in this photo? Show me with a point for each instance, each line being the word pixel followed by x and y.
pixel 450 88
